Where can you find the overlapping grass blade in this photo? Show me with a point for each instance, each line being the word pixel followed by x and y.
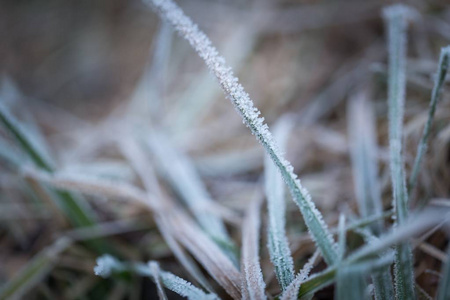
pixel 351 283
pixel 168 10
pixel 292 290
pixel 75 208
pixel 108 265
pixel 396 18
pixel 253 286
pixel 362 131
pixel 134 153
pixel 155 272
pixel 278 244
pixel 33 271
pixel 181 174
pixel 444 285
pixel 441 74
pixel 205 251
pixel 361 126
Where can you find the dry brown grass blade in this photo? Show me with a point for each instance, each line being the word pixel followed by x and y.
pixel 253 286
pixel 218 265
pixel 92 186
pixel 141 163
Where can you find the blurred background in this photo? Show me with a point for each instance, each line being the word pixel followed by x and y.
pixel 75 67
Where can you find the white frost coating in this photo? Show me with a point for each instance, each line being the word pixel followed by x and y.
pixel 184 288
pixel 250 115
pixel 278 244
pixel 253 283
pixel 291 293
pixel 396 19
pixel 435 95
pixel 106 264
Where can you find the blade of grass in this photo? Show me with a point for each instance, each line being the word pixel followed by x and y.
pixel 208 253
pixel 364 255
pixel 435 96
pixel 33 271
pixel 396 17
pixel 278 244
pixel 108 265
pixel 181 174
pixel 75 208
pixel 351 283
pixel 444 284
pixel 199 41
pixel 131 149
pixel 252 279
pixel 155 273
pixel 363 154
pixel 292 290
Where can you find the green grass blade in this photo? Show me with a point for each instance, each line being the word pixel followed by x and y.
pixel 435 95
pixel 278 243
pixel 362 132
pixel 351 283
pixel 396 18
pixel 444 285
pixel 33 272
pixel 76 209
pixel 364 161
pixel 250 114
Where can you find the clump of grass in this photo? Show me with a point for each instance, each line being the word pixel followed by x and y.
pixel 194 229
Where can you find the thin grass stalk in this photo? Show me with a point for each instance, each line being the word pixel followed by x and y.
pixel 250 114
pixel 33 271
pixel 396 17
pixel 253 284
pixel 362 132
pixel 444 285
pixel 77 210
pixel 435 96
pixel 278 243
pixel 154 268
pixel 181 174
pixel 363 155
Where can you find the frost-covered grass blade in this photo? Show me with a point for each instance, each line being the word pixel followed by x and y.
pixel 108 265
pixel 253 286
pixel 396 18
pixel 435 96
pixel 168 10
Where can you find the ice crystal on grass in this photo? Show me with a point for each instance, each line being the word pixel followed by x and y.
pixel 251 117
pixel 396 18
